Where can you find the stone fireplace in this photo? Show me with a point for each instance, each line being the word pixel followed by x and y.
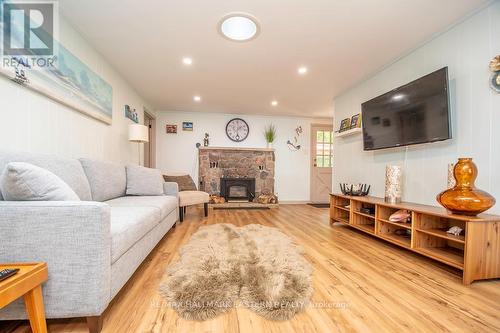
pixel 251 170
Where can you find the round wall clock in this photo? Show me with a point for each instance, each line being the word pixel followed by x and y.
pixel 237 129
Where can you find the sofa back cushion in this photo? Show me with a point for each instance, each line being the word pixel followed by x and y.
pixel 107 180
pixel 144 181
pixel 69 170
pixel 26 182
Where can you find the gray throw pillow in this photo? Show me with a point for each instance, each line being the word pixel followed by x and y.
pixel 185 182
pixel 26 182
pixel 144 181
pixel 107 180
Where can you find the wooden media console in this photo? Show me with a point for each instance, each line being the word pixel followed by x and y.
pixel 476 251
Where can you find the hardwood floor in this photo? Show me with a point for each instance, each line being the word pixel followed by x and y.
pixel 361 285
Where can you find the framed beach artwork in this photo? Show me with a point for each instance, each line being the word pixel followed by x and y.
pixel 68 80
pixel 187 126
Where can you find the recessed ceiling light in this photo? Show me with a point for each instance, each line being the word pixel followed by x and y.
pixel 239 27
pixel 398 97
pixel 302 70
pixel 197 98
pixel 187 61
pixel 274 103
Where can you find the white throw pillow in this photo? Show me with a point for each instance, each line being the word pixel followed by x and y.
pixel 144 181
pixel 26 182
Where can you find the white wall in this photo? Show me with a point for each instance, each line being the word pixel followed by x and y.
pixel 467 50
pixel 177 152
pixel 34 123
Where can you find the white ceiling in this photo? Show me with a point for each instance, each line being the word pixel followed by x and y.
pixel 340 41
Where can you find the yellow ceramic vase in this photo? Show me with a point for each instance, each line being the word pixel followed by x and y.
pixel 464 198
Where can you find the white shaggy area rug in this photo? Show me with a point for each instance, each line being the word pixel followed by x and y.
pixel 257 266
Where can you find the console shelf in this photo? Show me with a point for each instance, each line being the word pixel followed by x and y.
pixel 402 225
pixel 342 208
pixel 443 234
pixel 476 251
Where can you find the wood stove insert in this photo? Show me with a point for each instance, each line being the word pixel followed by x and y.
pixel 238 189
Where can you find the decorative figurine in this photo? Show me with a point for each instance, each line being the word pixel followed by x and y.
pixel 206 140
pixel 454 230
pixel 400 216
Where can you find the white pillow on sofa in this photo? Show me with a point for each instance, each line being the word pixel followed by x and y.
pixel 144 181
pixel 27 182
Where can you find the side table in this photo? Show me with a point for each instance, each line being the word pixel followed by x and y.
pixel 27 283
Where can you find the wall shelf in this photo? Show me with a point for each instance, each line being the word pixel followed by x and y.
pixel 349 132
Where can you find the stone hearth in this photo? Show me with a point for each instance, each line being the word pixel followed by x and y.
pixel 216 163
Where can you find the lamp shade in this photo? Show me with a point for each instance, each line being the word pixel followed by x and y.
pixel 138 133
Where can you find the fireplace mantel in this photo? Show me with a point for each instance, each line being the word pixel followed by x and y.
pixel 236 148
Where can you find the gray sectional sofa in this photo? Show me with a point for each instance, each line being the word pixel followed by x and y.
pixel 92 247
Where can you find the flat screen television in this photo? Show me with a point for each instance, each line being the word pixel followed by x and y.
pixel 417 112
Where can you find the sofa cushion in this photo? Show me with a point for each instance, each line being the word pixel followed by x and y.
pixel 188 198
pixel 144 181
pixel 26 182
pixel 185 182
pixel 165 204
pixel 129 225
pixel 107 180
pixel 69 170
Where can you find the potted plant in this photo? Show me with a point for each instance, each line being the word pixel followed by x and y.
pixel 270 135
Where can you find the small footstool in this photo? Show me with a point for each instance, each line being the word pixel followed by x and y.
pixel 188 193
pixel 189 198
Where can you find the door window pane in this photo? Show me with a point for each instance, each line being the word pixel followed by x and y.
pixel 319 161
pixel 319 149
pixel 320 136
pixel 326 136
pixel 324 149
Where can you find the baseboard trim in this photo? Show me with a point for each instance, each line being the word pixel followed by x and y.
pixel 294 202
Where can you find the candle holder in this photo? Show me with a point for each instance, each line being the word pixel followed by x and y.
pixel 393 184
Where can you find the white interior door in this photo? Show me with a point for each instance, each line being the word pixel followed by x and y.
pixel 321 163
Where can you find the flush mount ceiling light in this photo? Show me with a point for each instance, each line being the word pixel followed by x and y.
pixel 274 103
pixel 239 27
pixel 302 70
pixel 187 61
pixel 197 98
